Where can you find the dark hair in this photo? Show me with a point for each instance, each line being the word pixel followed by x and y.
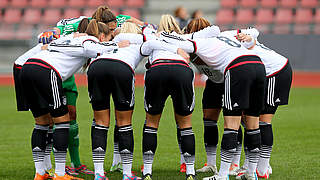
pixel 83 25
pixel 196 25
pixel 104 14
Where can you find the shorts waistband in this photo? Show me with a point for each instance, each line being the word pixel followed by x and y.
pixel 42 63
pixel 115 60
pixel 159 62
pixel 247 59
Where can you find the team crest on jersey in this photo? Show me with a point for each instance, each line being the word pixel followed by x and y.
pixel 64 100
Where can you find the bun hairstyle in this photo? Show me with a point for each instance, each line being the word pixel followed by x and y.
pixel 197 24
pixel 169 24
pixel 95 28
pixel 104 14
pixel 129 27
pixel 83 25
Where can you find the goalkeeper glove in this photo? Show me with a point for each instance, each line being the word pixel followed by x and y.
pixel 48 36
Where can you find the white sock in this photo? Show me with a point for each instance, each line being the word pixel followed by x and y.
pixel 116 155
pixel 39 168
pixel 98 168
pixel 237 155
pixel 263 165
pixel 190 169
pixel 147 169
pixel 211 155
pixel 181 155
pixel 47 162
pixel 246 160
pixel 60 169
pixel 224 169
pixel 127 169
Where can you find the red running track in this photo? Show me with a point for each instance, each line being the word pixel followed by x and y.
pixel 300 79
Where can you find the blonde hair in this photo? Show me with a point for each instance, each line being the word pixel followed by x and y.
pixel 129 27
pixel 169 24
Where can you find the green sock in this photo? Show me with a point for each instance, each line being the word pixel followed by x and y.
pixel 74 144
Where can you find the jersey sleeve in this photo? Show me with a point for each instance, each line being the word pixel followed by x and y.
pixel 93 48
pixel 148 46
pixel 24 57
pixel 253 32
pixel 188 45
pixel 211 31
pixel 121 19
pixel 68 26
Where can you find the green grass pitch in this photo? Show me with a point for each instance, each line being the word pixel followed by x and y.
pixel 296 152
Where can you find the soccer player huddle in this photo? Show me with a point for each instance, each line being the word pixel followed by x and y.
pixel 246 79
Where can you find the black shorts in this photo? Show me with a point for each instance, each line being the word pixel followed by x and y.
pixel 212 95
pixel 42 86
pixel 22 104
pixel 277 89
pixel 111 77
pixel 245 80
pixel 162 80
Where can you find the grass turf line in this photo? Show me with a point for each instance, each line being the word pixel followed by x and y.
pixel 295 153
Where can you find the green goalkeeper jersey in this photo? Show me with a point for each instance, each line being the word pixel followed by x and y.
pixel 68 26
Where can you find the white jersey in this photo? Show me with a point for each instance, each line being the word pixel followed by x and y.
pixel 129 55
pixel 68 54
pixel 272 61
pixel 217 52
pixel 31 52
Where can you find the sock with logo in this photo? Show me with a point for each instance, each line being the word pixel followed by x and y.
pixel 99 144
pixel 188 149
pixel 38 143
pixel 126 145
pixel 60 146
pixel 149 146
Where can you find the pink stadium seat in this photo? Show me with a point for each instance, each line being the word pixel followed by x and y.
pixel 24 32
pixel 301 29
pixel 132 12
pixel 303 16
pixel 6 32
pixel 88 12
pixel 39 3
pixel 248 3
pixel 264 28
pixel 264 16
pixel 244 16
pixel 96 3
pixel 288 3
pixel 269 3
pixel 224 16
pixel 135 3
pixel 316 29
pixel 283 16
pixel 19 3
pixel 51 16
pixel 71 13
pixel 77 3
pixel 57 3
pixel 4 3
pixel 281 29
pixel 309 3
pixel 228 3
pixel 115 3
pixel 32 16
pixel 317 16
pixel 12 16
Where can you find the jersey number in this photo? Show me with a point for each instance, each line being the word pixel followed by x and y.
pixel 229 41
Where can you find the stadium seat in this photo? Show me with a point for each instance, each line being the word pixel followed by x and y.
pixel 263 28
pixel 96 3
pixel 51 16
pixel 71 13
pixel 12 16
pixel 39 3
pixel 244 16
pixel 77 3
pixel 19 3
pixel 248 3
pixel 131 12
pixel 264 16
pixel 316 29
pixel 24 32
pixel 224 16
pixel 228 3
pixel 301 29
pixel 6 31
pixel 57 3
pixel 309 3
pixel 4 3
pixel 288 3
pixel 317 16
pixel 269 3
pixel 135 3
pixel 32 16
pixel 283 16
pixel 303 16
pixel 88 12
pixel 281 29
pixel 115 3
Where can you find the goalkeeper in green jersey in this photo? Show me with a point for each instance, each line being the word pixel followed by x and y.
pixel 64 27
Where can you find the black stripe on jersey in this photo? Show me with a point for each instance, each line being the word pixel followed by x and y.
pixel 65 21
pixel 165 34
pixel 141 51
pixel 194 46
pixel 64 45
pixel 108 43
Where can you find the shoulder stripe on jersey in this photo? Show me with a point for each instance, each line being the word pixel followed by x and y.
pixel 65 45
pixel 195 49
pixel 141 51
pixel 165 34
